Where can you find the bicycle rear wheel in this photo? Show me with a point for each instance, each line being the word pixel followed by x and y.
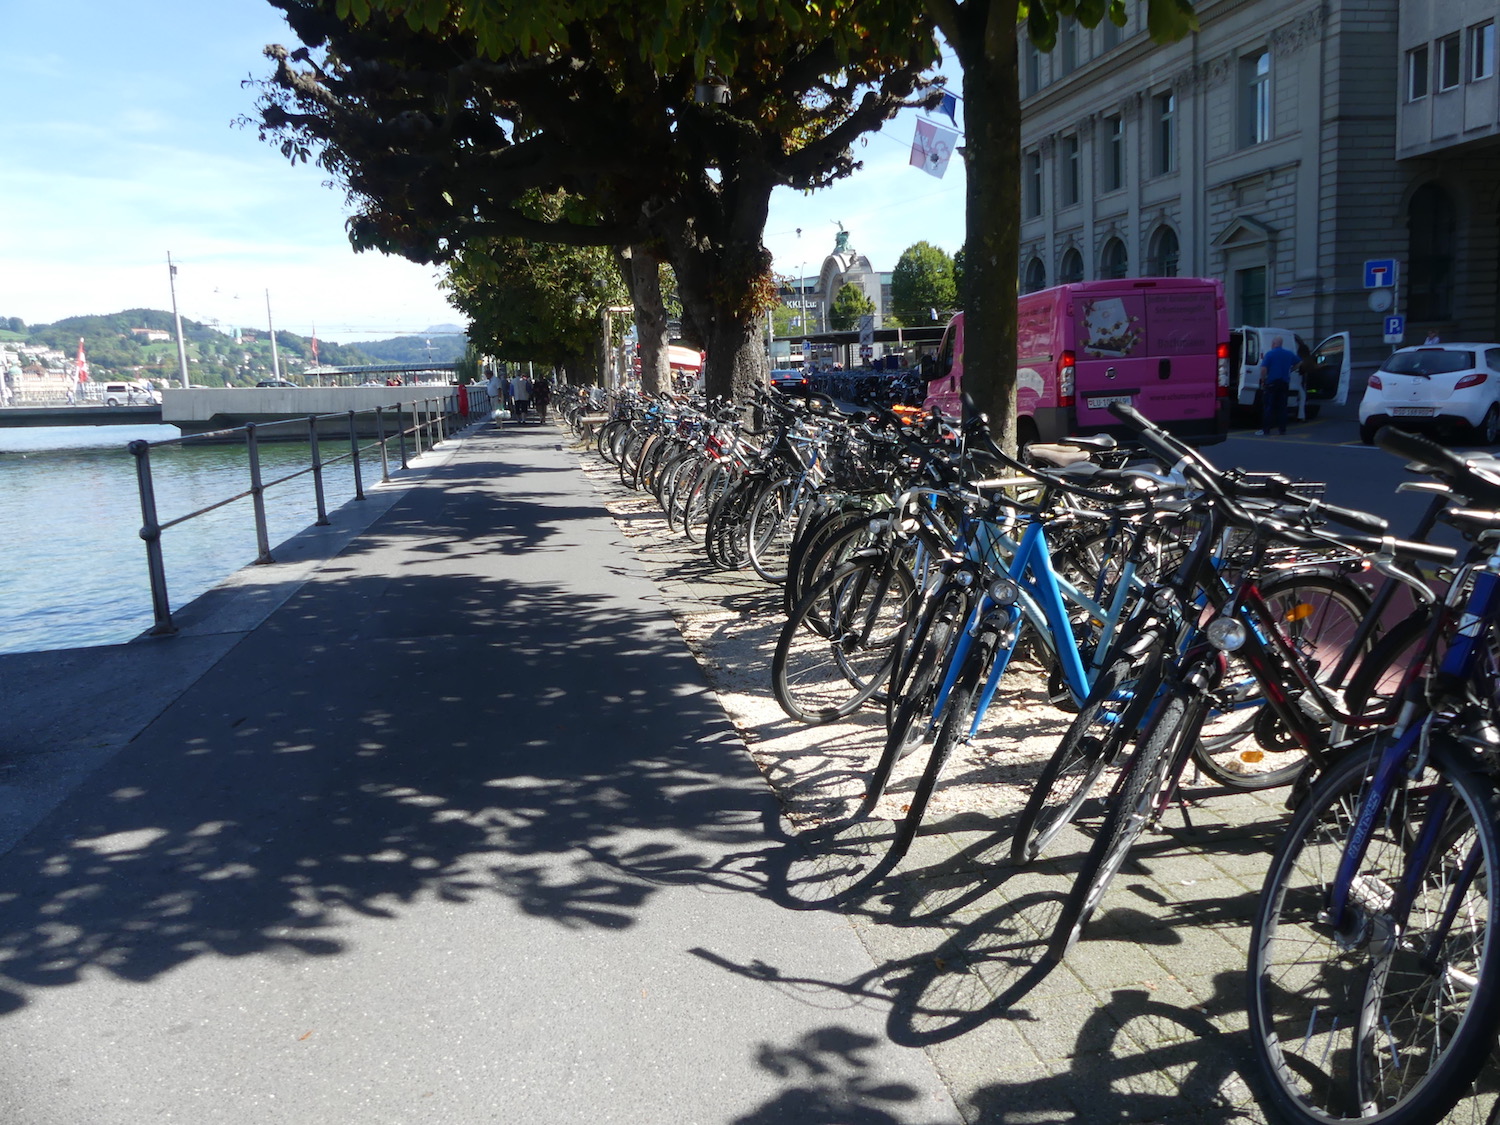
pixel 1387 1019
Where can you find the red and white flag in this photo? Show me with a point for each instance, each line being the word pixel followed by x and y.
pixel 81 367
pixel 932 148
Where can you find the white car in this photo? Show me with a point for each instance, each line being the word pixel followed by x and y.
pixel 1454 388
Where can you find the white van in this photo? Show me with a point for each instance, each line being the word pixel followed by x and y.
pixel 129 394
pixel 1322 376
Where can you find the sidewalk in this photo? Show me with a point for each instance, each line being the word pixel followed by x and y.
pixel 456 833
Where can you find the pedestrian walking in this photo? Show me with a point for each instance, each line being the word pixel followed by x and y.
pixel 492 385
pixel 1275 385
pixel 520 397
pixel 541 396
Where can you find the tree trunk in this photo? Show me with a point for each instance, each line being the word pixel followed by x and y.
pixel 992 248
pixel 650 320
pixel 736 365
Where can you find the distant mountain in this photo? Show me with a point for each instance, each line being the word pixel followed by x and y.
pixel 436 348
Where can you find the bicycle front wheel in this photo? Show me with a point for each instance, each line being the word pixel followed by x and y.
pixel 823 674
pixel 1246 746
pixel 1146 774
pixel 1388 1017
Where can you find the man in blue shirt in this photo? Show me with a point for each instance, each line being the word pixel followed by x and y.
pixel 1275 383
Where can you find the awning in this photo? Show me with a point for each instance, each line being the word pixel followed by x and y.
pixel 685 358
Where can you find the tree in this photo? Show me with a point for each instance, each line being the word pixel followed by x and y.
pixel 983 34
pixel 674 124
pixel 921 282
pixel 849 304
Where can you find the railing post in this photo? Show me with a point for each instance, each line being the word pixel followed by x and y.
pixel 385 461
pixel 418 420
pixel 317 470
pixel 161 608
pixel 445 416
pixel 359 484
pixel 401 434
pixel 258 496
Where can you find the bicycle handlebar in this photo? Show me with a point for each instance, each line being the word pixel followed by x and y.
pixel 1440 462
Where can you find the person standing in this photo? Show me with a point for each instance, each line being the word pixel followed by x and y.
pixel 541 396
pixel 1275 385
pixel 492 385
pixel 520 397
pixel 1432 337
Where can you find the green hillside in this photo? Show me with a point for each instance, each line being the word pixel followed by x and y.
pixel 214 357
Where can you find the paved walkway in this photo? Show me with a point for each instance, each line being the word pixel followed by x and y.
pixel 455 834
pixel 440 821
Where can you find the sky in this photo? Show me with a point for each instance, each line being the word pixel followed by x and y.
pixel 119 148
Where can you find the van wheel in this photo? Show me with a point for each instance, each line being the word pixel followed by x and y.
pixel 111 402
pixel 1026 434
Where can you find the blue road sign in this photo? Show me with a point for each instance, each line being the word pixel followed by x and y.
pixel 1380 272
pixel 1395 329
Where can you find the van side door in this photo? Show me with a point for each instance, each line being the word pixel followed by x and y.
pixel 1327 373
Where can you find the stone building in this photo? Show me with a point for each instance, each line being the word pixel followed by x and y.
pixel 1278 149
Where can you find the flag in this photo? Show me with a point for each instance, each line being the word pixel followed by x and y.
pixel 931 148
pixel 949 105
pixel 81 367
pixel 315 345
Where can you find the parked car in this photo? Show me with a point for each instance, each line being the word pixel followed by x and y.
pixel 789 380
pixel 275 383
pixel 1451 388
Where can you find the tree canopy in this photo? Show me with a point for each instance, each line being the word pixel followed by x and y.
pixel 921 283
pixel 674 125
pixel 849 304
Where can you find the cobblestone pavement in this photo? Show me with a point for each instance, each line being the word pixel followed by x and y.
pixel 1143 1022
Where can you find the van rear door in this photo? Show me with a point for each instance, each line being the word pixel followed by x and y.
pixel 1157 350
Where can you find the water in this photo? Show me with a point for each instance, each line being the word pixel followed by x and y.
pixel 74 571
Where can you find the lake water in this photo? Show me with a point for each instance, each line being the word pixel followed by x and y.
pixel 75 573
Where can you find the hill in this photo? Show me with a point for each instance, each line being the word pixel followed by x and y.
pixel 116 346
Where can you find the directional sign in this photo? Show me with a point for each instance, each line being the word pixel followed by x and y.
pixel 1395 329
pixel 867 328
pixel 1380 273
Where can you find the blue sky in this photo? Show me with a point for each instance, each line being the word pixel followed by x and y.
pixel 119 147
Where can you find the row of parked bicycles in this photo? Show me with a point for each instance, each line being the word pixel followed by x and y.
pixel 1190 618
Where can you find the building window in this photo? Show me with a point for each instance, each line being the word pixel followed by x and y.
pixel 1432 233
pixel 1071 269
pixel 1114 262
pixel 1448 69
pixel 1163 253
pixel 1255 98
pixel 1250 295
pixel 1110 35
pixel 1114 153
pixel 1164 154
pixel 1070 177
pixel 1068 44
pixel 1481 51
pixel 1036 276
pixel 1033 185
pixel 1416 74
pixel 1033 69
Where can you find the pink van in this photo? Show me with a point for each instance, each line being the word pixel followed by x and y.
pixel 1158 343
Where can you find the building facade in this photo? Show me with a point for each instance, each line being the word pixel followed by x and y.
pixel 1278 149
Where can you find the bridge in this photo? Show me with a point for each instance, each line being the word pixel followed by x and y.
pixel 90 414
pixel 198 410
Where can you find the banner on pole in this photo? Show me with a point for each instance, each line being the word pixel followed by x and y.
pixel 932 148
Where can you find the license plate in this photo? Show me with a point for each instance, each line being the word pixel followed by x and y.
pixel 1413 411
pixel 1103 402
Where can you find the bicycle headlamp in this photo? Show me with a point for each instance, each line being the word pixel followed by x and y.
pixel 1165 598
pixel 964 578
pixel 1004 592
pixel 1225 634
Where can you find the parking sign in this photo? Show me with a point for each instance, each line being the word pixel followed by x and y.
pixel 1395 329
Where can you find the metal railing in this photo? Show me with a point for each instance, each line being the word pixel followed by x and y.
pixel 428 421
